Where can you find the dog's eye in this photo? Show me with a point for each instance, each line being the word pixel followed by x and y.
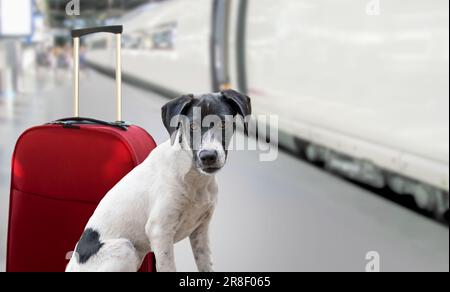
pixel 194 126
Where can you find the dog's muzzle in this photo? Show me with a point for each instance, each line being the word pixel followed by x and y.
pixel 209 160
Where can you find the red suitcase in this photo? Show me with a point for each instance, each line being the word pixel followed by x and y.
pixel 60 172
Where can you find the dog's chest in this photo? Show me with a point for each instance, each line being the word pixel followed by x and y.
pixel 191 218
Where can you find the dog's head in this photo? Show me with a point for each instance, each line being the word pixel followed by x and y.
pixel 206 124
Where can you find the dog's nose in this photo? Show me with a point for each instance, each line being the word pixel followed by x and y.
pixel 208 157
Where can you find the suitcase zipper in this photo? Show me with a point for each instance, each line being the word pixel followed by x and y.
pixel 66 125
pixel 74 124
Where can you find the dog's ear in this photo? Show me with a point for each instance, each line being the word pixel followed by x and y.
pixel 240 102
pixel 176 107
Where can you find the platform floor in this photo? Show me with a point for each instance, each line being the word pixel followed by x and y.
pixel 279 216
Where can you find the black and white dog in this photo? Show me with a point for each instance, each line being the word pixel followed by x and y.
pixel 170 196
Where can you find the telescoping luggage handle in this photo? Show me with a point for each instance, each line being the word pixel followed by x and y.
pixel 76 35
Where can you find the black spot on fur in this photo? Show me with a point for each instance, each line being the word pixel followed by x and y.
pixel 88 245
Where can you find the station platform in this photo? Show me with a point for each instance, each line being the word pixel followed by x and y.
pixel 284 215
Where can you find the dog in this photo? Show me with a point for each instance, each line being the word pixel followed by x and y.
pixel 170 196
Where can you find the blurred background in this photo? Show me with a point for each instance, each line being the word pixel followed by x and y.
pixel 360 88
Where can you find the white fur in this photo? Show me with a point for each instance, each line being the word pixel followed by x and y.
pixel 161 202
pixel 211 142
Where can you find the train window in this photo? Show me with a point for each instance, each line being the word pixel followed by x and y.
pixel 99 44
pixel 160 38
pixel 133 41
pixel 164 37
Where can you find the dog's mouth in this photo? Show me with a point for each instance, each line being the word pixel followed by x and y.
pixel 211 170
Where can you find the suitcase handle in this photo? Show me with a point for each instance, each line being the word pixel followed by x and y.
pixel 76 35
pixel 71 122
pixel 116 29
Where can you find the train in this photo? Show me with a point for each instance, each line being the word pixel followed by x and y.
pixel 361 87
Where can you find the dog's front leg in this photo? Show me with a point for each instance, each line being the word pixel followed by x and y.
pixel 162 244
pixel 201 247
pixel 161 229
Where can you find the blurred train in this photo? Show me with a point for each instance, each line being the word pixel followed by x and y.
pixel 361 87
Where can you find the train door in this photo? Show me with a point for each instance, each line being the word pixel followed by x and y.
pixel 228 41
pixel 220 44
